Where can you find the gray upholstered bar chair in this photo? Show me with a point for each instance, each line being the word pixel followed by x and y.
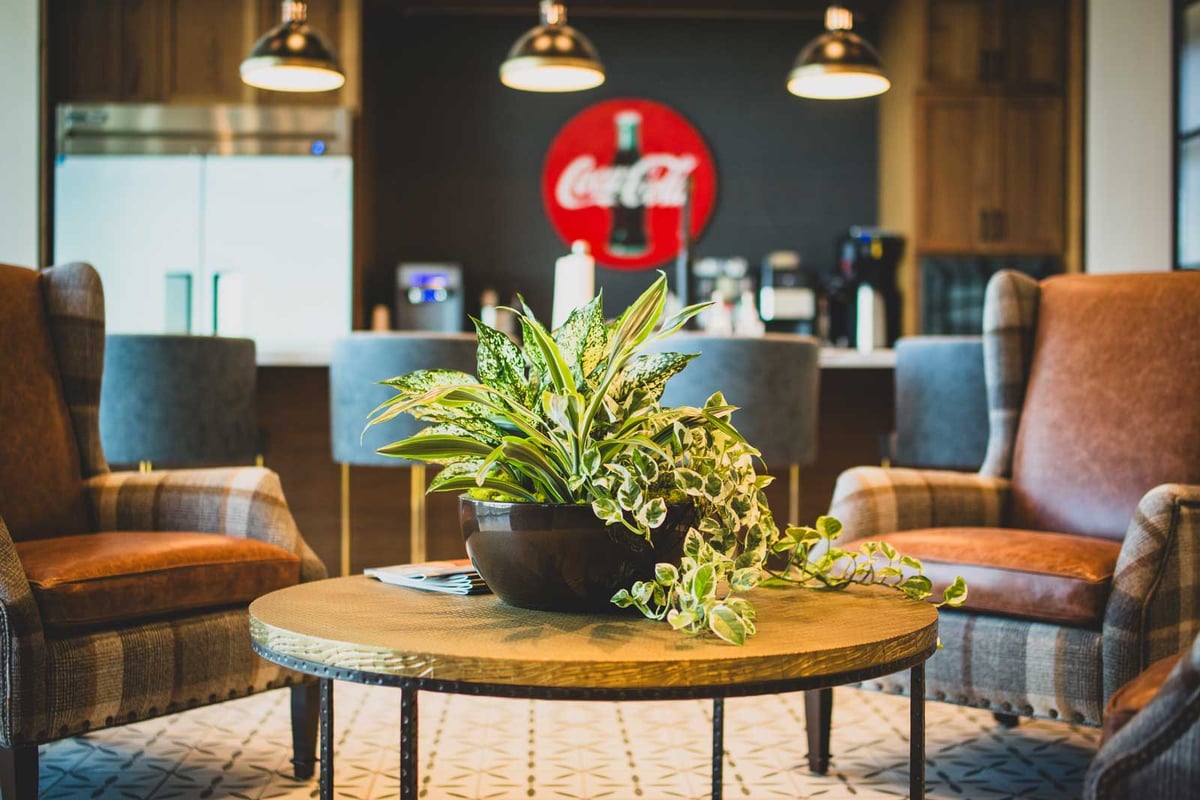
pixel 178 401
pixel 773 379
pixel 360 361
pixel 941 403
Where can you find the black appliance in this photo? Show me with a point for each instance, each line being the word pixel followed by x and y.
pixel 864 303
pixel 788 294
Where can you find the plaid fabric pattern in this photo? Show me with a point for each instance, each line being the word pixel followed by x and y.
pixel 22 645
pixel 75 313
pixel 237 501
pixel 1012 666
pixel 117 676
pixel 1154 609
pixel 1009 321
pixel 1154 755
pixel 873 501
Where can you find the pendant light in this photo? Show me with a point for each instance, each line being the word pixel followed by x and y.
pixel 838 64
pixel 292 57
pixel 553 57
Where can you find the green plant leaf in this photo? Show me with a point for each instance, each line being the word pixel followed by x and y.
pixel 666 574
pixel 582 338
pixel 654 513
pixel 649 374
pixel 705 581
pixel 743 580
pixel 725 623
pixel 681 620
pixel 629 495
pixel 829 527
pixel 464 480
pixel 679 319
pixel 557 369
pixel 956 593
pixel 435 448
pixel 622 599
pixel 689 480
pixel 499 362
pixel 547 475
pixel 606 508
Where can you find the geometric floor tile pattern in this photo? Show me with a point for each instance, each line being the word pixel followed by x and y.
pixel 493 749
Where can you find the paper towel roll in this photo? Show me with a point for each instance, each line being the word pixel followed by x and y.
pixel 574 282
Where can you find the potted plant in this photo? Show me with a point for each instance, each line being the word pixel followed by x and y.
pixel 582 491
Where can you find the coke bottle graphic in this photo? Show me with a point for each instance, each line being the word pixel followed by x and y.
pixel 628 235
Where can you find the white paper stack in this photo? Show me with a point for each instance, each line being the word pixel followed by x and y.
pixel 450 577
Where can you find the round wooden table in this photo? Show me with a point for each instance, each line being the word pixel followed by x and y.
pixel 357 629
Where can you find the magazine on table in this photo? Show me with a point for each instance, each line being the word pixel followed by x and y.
pixel 457 576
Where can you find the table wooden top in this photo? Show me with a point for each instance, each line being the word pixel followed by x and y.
pixel 372 629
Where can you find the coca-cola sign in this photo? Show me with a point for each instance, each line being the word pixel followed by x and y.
pixel 617 176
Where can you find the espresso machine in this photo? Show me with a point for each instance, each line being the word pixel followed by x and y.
pixel 864 301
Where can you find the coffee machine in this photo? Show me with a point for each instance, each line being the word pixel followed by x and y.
pixel 864 301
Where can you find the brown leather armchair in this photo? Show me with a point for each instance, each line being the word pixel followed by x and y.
pixel 1079 537
pixel 122 595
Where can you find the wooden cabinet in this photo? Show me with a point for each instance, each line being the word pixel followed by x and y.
pixel 991 128
pixel 993 169
pixel 1030 196
pixel 106 50
pixel 179 51
pixel 206 42
pixel 1014 45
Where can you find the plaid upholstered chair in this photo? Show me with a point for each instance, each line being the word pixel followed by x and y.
pixel 122 595
pixel 1079 537
pixel 1151 744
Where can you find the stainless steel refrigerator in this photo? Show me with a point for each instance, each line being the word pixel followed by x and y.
pixel 233 220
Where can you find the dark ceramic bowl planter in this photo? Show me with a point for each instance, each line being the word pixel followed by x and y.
pixel 561 557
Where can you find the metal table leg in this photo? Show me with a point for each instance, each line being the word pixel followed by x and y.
pixel 326 685
pixel 408 744
pixel 718 751
pixel 916 734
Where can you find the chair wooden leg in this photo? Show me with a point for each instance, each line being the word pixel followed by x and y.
pixel 305 709
pixel 1007 720
pixel 19 772
pixel 818 719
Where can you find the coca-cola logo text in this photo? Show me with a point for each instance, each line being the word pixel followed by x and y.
pixel 618 176
pixel 656 180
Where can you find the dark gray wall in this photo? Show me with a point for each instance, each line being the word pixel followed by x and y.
pixel 457 157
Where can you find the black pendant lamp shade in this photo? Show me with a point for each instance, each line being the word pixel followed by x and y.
pixel 839 64
pixel 553 57
pixel 292 57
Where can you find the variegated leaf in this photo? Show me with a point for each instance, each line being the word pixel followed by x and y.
pixel 422 380
pixel 583 337
pixel 650 374
pixel 500 363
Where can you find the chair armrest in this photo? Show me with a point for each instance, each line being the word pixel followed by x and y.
pixel 22 649
pixel 1154 608
pixel 873 501
pixel 247 502
pixel 1154 755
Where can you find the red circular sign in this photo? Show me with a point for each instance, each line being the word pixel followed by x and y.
pixel 616 176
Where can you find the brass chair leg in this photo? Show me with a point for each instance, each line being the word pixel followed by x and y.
pixel 794 495
pixel 345 520
pixel 417 532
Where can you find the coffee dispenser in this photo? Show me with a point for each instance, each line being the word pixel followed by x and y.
pixel 868 315
pixel 429 297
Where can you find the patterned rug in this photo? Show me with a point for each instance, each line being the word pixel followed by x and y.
pixel 484 748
